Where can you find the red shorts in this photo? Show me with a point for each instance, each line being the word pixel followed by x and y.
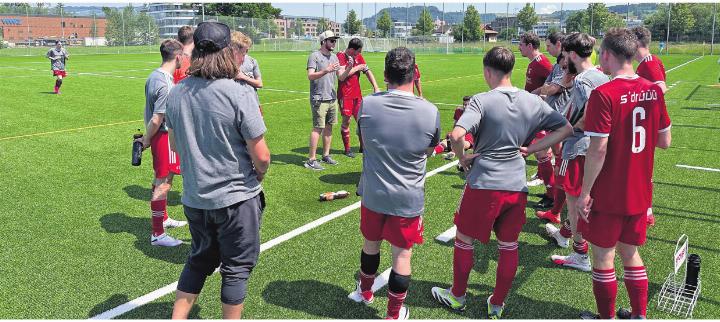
pixel 606 230
pixel 560 176
pixel 402 232
pixel 482 211
pixel 572 172
pixel 540 135
pixel 59 73
pixel 469 138
pixel 350 106
pixel 164 159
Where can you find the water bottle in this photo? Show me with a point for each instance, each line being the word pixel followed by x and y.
pixel 137 149
pixel 693 273
pixel 327 196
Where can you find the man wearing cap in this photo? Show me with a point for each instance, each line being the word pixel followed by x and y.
pixel 214 123
pixel 323 70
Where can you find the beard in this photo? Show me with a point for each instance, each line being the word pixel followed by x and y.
pixel 571 67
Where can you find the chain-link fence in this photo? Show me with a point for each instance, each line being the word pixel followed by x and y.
pixel 32 29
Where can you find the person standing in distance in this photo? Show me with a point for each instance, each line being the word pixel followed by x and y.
pixel 216 126
pixel 323 69
pixel 165 161
pixel 250 69
pixel 392 184
pixel 58 56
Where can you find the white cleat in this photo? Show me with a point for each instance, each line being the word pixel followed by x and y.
pixel 554 232
pixel 172 223
pixel 359 296
pixel 535 182
pixel 165 240
pixel 574 260
pixel 404 314
pixel 449 156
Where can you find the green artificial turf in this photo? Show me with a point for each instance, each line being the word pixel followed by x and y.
pixel 76 221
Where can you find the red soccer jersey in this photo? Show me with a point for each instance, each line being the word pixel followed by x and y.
pixel 537 72
pixel 350 87
pixel 458 113
pixel 416 73
pixel 652 69
pixel 180 73
pixel 630 112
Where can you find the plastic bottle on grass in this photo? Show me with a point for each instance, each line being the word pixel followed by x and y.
pixel 327 196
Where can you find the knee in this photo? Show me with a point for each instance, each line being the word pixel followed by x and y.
pixel 628 253
pixel 233 290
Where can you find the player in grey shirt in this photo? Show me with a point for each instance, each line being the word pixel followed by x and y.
pixel 400 130
pixel 57 57
pixel 577 48
pixel 323 69
pixel 501 122
pixel 217 128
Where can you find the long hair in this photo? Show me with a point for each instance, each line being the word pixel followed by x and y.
pixel 214 65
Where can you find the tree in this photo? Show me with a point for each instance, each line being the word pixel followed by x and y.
pixel 352 23
pixel 323 24
pixel 269 26
pixel 245 10
pixel 424 25
pixel 576 21
pixel 298 28
pixel 597 14
pixel 385 24
pixel 508 34
pixel 471 30
pixel 59 9
pixel 682 21
pixel 138 28
pixel 527 17
pixel 703 14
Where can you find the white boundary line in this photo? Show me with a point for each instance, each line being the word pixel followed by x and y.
pixel 447 235
pixel 167 289
pixel 681 65
pixel 696 168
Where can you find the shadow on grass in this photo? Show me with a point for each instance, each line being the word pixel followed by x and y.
pixel 144 194
pixel 318 299
pixel 305 150
pixel 687 187
pixel 288 159
pixel 673 242
pixel 48 93
pixel 341 178
pixel 154 310
pixel 115 223
pixel 704 127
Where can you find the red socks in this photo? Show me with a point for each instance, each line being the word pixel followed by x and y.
pixel 565 230
pixel 439 149
pixel 545 172
pixel 605 290
pixel 366 281
pixel 581 247
pixel 345 132
pixel 507 266
pixel 462 265
pixel 158 208
pixel 636 283
pixel 559 200
pixel 395 302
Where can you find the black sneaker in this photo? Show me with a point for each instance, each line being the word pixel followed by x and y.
pixel 587 315
pixel 327 159
pixel 625 314
pixel 314 165
pixel 349 154
pixel 545 202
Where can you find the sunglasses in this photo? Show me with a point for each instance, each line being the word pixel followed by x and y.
pixel 332 40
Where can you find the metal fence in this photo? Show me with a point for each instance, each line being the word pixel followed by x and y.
pixel 140 30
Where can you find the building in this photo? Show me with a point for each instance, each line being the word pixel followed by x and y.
pixel 634 23
pixel 542 28
pixel 44 30
pixel 490 34
pixel 309 27
pixel 401 29
pixel 501 23
pixel 169 17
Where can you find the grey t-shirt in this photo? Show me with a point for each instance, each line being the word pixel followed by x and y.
pixel 251 69
pixel 501 121
pixel 57 64
pixel 212 120
pixel 559 100
pixel 397 128
pixel 157 88
pixel 583 85
pixel 323 88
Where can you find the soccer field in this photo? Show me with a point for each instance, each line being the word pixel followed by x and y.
pixel 76 219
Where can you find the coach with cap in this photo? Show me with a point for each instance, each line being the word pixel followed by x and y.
pixel 215 125
pixel 323 70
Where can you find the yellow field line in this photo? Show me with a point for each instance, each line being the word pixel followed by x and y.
pixel 66 130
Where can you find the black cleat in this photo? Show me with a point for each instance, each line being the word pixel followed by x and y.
pixel 587 315
pixel 545 202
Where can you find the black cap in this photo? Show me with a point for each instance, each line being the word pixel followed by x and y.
pixel 211 36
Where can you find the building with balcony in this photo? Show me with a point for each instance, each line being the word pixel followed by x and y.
pixel 169 17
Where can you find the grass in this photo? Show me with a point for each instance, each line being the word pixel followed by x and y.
pixel 76 220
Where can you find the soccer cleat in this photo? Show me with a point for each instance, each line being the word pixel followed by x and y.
pixel 349 154
pixel 574 260
pixel 404 314
pixel 534 182
pixel 548 215
pixel 314 165
pixel 625 314
pixel 358 295
pixel 554 232
pixel 494 311
pixel 545 202
pixel 165 240
pixel 172 223
pixel 587 315
pixel 327 159
pixel 445 297
pixel 449 156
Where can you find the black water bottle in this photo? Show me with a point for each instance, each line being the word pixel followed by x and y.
pixel 693 273
pixel 137 149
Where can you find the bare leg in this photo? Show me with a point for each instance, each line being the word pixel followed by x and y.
pixel 183 305
pixel 232 312
pixel 327 139
pixel 314 138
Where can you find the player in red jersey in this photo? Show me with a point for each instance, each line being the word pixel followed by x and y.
pixel 352 63
pixel 185 37
pixel 650 66
pixel 626 119
pixel 537 72
pixel 444 145
pixel 416 81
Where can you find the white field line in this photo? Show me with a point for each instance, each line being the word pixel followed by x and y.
pixel 447 235
pixel 696 168
pixel 681 65
pixel 167 289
